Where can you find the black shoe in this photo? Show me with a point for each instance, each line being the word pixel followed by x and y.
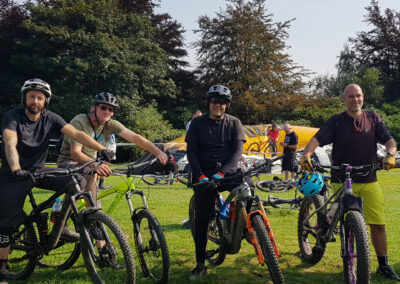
pixel 388 272
pixel 198 273
pixel 69 235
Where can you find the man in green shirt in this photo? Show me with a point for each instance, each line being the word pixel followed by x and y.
pixel 100 125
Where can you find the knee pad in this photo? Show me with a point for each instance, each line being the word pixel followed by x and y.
pixel 5 237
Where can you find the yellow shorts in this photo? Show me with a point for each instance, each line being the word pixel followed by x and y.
pixel 373 201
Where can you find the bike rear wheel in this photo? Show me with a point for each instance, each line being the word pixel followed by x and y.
pixel 151 247
pixel 22 260
pixel 356 262
pixel 267 249
pixel 152 179
pixel 272 186
pixel 67 250
pixel 311 248
pixel 114 262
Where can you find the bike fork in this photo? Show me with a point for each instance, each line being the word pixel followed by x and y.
pixel 253 238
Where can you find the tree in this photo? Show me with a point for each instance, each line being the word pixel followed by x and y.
pixel 244 49
pixel 168 33
pixel 85 47
pixel 380 47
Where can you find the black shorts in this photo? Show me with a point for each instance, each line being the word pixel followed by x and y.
pixel 288 162
pixel 13 193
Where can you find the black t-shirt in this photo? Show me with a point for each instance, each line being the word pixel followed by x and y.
pixel 290 139
pixel 354 142
pixel 33 137
pixel 211 143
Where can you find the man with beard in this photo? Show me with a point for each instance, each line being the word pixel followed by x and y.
pixel 214 148
pixel 26 134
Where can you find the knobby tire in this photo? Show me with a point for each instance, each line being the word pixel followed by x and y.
pixel 21 261
pixel 151 247
pixel 119 251
pixel 267 249
pixel 311 248
pixel 356 263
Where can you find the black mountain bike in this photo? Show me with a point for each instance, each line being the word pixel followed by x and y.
pixel 321 217
pixel 33 240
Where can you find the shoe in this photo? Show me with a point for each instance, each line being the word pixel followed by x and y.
pixel 108 256
pixel 69 235
pixel 186 224
pixel 198 273
pixel 388 272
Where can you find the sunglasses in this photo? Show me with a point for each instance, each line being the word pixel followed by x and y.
pixel 218 101
pixel 104 108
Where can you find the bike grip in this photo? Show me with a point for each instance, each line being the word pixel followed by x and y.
pixel 218 176
pixel 203 178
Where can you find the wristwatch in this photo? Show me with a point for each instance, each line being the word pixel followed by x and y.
pixel 391 153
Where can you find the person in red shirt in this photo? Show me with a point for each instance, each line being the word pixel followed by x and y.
pixel 273 134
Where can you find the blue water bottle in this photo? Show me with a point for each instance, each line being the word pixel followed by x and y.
pixel 57 205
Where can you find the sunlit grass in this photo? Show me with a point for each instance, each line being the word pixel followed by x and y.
pixel 170 206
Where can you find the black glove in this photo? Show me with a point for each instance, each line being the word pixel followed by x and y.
pixel 107 155
pixel 22 174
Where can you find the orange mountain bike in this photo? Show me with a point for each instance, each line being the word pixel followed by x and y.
pixel 234 220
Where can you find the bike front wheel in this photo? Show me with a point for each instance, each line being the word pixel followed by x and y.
pixel 22 260
pixel 68 249
pixel 151 247
pixel 267 249
pixel 311 247
pixel 106 251
pixel 356 261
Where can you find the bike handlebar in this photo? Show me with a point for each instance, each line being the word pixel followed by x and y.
pixel 61 171
pixel 249 173
pixel 347 167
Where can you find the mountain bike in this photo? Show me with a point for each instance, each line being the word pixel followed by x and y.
pixel 319 221
pixel 28 248
pixel 150 242
pixel 280 203
pixel 159 179
pixel 267 148
pixel 234 220
pixel 276 185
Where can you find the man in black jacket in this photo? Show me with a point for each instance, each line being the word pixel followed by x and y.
pixel 214 147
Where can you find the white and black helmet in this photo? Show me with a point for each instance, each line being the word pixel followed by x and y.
pixel 219 91
pixel 105 98
pixel 36 84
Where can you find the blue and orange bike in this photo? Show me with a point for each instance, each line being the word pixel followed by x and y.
pixel 241 216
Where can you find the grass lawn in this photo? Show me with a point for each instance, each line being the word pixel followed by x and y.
pixel 170 206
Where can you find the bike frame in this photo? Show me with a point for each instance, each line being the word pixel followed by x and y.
pixel 239 220
pixel 346 201
pixel 49 241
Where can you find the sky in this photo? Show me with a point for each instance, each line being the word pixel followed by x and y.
pixel 316 36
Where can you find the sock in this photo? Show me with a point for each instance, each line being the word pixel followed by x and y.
pixel 383 260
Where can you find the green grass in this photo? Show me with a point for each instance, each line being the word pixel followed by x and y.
pixel 170 206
